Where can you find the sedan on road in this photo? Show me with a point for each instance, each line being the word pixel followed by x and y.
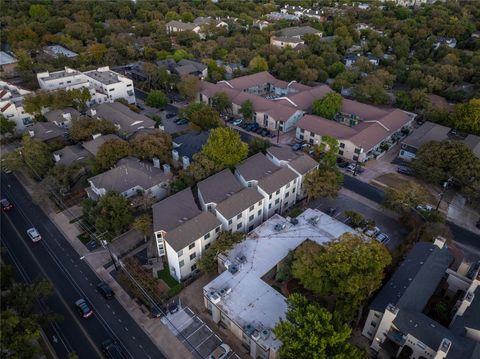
pixel 237 122
pixel 34 235
pixel 83 308
pixel 6 205
pixel 112 350
pixel 105 290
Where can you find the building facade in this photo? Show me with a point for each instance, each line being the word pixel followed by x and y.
pixel 11 106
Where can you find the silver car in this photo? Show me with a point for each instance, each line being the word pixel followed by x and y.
pixel 34 235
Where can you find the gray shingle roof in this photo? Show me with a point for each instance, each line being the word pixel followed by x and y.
pixel 92 146
pixel 239 202
pixel 45 131
pixel 72 154
pixel 219 187
pixel 256 167
pixel 277 180
pixel 57 115
pixel 303 164
pixel 129 173
pixel 298 31
pixel 429 131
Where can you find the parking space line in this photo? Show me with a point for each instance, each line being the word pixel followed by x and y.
pixel 195 331
pixel 203 341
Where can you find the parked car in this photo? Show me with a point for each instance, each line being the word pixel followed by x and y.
pixel 252 127
pixel 181 122
pixel 331 211
pixel 424 207
pixel 170 115
pixel 83 308
pixel 372 232
pixel 105 290
pixel 112 350
pixel 221 352
pixel 237 122
pixel 351 167
pixel 6 205
pixel 297 147
pixel 264 132
pixel 271 134
pixel 405 170
pixel 34 235
pixel 382 238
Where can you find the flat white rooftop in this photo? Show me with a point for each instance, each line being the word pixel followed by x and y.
pixel 251 301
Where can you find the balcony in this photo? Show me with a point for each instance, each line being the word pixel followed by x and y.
pixel 397 337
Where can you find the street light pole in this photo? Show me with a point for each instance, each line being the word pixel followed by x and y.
pixel 105 245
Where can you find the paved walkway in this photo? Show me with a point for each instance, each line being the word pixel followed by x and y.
pixel 160 335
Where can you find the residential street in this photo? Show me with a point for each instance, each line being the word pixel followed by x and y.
pixel 53 258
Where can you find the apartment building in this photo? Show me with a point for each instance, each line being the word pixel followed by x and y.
pixel 239 209
pixel 8 64
pixel 240 298
pixel 104 84
pixel 130 177
pixel 361 129
pixel 11 105
pixel 183 232
pixel 402 321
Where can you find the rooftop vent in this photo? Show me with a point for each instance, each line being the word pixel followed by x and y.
pixel 214 297
pixel 241 258
pixel 280 226
pixel 314 220
pixel 233 268
pixel 249 329
pixel 265 333
pixel 256 335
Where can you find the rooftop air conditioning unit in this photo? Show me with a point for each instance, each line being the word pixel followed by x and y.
pixel 265 333
pixel 249 329
pixel 280 226
pixel 214 297
pixel 233 268
pixel 314 220
pixel 256 335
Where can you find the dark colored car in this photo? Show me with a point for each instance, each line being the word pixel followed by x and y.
pixel 6 204
pixel 112 350
pixel 405 170
pixel 265 132
pixel 259 130
pixel 181 121
pixel 331 211
pixel 170 115
pixel 297 147
pixel 253 127
pixel 83 308
pixel 105 290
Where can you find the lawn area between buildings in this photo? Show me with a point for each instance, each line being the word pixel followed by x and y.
pixel 173 285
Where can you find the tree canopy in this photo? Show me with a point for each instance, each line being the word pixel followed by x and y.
pixel 467 116
pixel 6 126
pixel 247 110
pixel 309 332
pixel 149 145
pixel 202 115
pixel 110 152
pixel 224 242
pixel 258 64
pixel 34 103
pixel 156 98
pixel 189 86
pixel 327 106
pixel 85 127
pixel 322 182
pixel 224 147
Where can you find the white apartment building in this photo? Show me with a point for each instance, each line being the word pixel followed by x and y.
pixel 104 84
pixel 183 232
pixel 11 105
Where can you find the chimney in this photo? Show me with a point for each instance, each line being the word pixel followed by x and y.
pixel 166 168
pixel 93 112
pixel 96 135
pixel 185 162
pixel 67 116
pixel 31 133
pixel 439 242
pixel 56 157
pixel 156 162
pixel 175 155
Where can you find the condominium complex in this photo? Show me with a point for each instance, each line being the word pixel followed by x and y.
pixel 104 84
pixel 11 105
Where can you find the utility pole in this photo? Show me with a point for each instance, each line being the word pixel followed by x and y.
pixel 106 246
pixel 445 186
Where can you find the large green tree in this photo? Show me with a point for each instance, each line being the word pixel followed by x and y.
pixel 224 147
pixel 6 126
pixel 327 106
pixel 467 116
pixel 221 102
pixel 148 146
pixel 350 268
pixel 322 182
pixel 83 128
pixel 258 64
pixel 156 98
pixel 189 86
pixel 224 242
pixel 309 332
pixel 111 152
pixel 404 198
pixel 202 115
pixel 247 110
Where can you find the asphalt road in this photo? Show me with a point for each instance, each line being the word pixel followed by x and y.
pixel 53 258
pixel 466 238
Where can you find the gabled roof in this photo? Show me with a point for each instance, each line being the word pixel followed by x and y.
pixel 303 164
pixel 277 180
pixel 57 115
pixel 219 187
pixel 6 59
pixel 298 31
pixel 92 146
pixel 429 131
pixel 45 131
pixel 282 153
pixel 186 26
pixel 130 172
pixel 238 202
pixel 72 154
pixel 256 167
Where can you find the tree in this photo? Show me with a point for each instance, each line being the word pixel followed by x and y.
pixel 322 182
pixel 224 242
pixel 349 268
pixel 405 197
pixel 85 127
pixel 200 168
pixel 224 147
pixel 467 116
pixel 436 162
pixel 158 145
pixel 221 102
pixel 202 115
pixel 111 213
pixel 327 106
pixel 356 219
pixel 61 177
pixel 143 224
pixel 327 151
pixel 257 64
pixel 156 98
pixel 309 331
pixel 189 86
pixel 247 110
pixel 6 126
pixel 38 13
pixel 110 152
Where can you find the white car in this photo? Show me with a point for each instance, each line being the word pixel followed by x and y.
pixel 372 232
pixel 425 207
pixel 221 352
pixel 34 235
pixel 382 238
pixel 237 122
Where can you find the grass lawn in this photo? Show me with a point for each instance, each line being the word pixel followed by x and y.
pixel 295 212
pixel 164 275
pixel 84 238
pixel 395 180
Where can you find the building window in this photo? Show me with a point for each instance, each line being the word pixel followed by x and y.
pixel 113 89
pixel 278 192
pixel 251 217
pixel 217 229
pixel 270 197
pixel 340 152
pixel 239 216
pixel 288 185
pixel 191 245
pixel 357 150
pixel 312 134
pixel 251 208
pixel 373 324
pixel 300 137
pixel 181 263
pixel 230 221
pixel 376 315
pixel 269 206
pixel 129 85
pixel 239 226
pixel 277 201
pixel 207 245
pixel 207 236
pixel 193 256
pixel 342 145
pixel 193 268
pixel 285 204
pixel 180 253
pixel 260 212
pixel 302 130
pixel 286 194
pixel 355 158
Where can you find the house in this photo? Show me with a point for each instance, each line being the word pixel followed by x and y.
pixel 184 67
pixel 197 26
pixel 400 321
pixel 375 61
pixel 8 64
pixel 58 51
pixel 98 140
pixel 185 146
pixel 183 232
pixel 47 132
pixel 11 105
pixel 445 41
pixel 277 16
pixel 292 36
pixel 230 69
pixel 130 177
pixel 277 185
pixel 104 84
pixel 240 298
pixel 63 117
pixel 278 105
pixel 70 155
pixel 283 42
pixel 125 120
pixel 350 59
pixel 300 11
pixel 260 24
pixel 362 130
pixel 239 209
pixel 430 131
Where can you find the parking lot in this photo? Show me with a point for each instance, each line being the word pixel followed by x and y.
pixel 194 333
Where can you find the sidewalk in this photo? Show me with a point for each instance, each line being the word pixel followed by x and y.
pixel 160 335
